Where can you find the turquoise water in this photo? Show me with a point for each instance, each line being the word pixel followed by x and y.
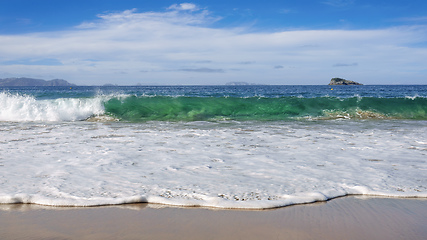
pixel 260 108
pixel 212 103
pixel 249 147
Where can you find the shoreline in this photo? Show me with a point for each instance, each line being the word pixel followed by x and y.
pixel 351 217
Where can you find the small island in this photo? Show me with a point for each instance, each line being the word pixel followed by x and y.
pixel 237 84
pixel 341 81
pixel 31 82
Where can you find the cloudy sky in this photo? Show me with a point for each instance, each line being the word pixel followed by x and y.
pixel 128 42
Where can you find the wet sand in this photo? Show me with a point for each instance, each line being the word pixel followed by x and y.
pixel 352 217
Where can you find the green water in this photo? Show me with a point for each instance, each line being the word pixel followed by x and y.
pixel 254 108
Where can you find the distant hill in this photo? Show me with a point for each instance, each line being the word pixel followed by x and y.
pixel 31 82
pixel 239 84
pixel 341 81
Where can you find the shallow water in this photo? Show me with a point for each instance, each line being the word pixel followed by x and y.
pixel 50 156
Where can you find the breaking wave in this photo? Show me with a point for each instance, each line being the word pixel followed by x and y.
pixel 19 108
pixel 22 108
pixel 213 108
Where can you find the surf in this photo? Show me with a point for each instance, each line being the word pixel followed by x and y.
pixel 24 108
pixel 164 108
pixel 18 107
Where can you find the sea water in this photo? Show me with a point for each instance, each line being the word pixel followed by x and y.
pixel 214 146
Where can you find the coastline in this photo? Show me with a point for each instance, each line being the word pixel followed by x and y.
pixel 352 217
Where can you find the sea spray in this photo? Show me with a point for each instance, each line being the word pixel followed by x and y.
pixel 19 108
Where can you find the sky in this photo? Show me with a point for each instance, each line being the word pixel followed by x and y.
pixel 130 42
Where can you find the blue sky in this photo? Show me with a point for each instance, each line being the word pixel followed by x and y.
pixel 131 42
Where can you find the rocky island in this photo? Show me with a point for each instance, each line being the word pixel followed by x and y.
pixel 31 82
pixel 341 81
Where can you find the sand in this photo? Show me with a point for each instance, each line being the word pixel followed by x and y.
pixel 352 217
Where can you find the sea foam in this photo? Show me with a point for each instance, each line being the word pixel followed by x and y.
pixel 211 146
pixel 212 164
pixel 21 108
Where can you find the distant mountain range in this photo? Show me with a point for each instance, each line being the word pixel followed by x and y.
pixel 32 82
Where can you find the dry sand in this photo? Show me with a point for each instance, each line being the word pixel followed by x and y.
pixel 343 218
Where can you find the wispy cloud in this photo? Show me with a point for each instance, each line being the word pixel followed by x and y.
pixel 412 19
pixel 285 11
pixel 345 64
pixel 24 21
pixel 184 7
pixel 338 3
pixel 154 47
pixel 202 70
pixel 46 62
pixel 173 16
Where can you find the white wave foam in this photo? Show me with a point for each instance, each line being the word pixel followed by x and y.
pixel 202 201
pixel 413 97
pixel 210 164
pixel 22 108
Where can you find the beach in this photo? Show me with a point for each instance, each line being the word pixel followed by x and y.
pixel 353 217
pixel 213 162
pixel 213 120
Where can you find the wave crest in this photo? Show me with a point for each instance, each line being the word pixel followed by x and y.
pixel 161 108
pixel 21 108
pixel 115 107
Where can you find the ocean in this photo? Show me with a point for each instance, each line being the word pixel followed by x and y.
pixel 239 147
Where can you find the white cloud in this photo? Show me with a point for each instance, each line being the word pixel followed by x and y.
pixel 184 7
pixel 172 47
pixel 129 17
